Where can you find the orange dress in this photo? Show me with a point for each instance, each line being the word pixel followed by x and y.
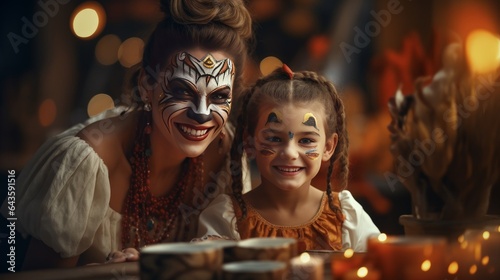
pixel 322 232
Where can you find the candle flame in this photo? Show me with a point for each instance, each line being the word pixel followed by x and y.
pixel 349 253
pixel 485 260
pixel 362 272
pixel 304 257
pixel 382 237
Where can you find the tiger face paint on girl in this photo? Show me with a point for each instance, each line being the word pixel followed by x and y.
pixel 312 154
pixel 266 151
pixel 202 87
pixel 310 120
pixel 273 117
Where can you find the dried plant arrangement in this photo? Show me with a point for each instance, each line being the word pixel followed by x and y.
pixel 445 140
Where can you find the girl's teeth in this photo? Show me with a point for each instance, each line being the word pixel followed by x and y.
pixel 289 169
pixel 193 132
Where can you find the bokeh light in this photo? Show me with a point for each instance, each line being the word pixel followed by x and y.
pixel 47 112
pixel 348 253
pixel 483 51
pixel 426 265
pixel 362 272
pixel 382 237
pixel 453 268
pixel 106 50
pixel 269 64
pixel 130 52
pixel 319 46
pixel 473 269
pixel 88 20
pixel 99 103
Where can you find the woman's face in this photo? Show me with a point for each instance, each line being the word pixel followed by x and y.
pixel 193 102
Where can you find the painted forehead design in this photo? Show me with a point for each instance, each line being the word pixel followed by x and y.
pixel 207 73
pixel 310 120
pixel 273 117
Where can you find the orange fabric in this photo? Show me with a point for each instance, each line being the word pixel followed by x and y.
pixel 323 232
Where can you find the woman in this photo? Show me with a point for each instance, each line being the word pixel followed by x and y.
pixel 137 177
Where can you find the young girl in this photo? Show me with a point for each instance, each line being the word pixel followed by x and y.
pixel 290 124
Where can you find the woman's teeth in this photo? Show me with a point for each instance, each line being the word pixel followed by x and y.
pixel 193 132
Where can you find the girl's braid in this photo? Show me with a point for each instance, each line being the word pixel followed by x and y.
pixel 237 150
pixel 339 126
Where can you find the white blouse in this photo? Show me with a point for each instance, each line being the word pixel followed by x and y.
pixel 219 219
pixel 63 194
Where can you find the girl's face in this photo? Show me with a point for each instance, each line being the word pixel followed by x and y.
pixel 193 103
pixel 291 143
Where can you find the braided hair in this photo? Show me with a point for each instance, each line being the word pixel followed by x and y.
pixel 279 87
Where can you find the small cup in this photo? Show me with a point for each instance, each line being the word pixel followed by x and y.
pixel 262 270
pixel 180 261
pixel 227 246
pixel 266 248
pixel 306 266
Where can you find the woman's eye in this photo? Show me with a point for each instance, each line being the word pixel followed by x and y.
pixel 180 92
pixel 220 98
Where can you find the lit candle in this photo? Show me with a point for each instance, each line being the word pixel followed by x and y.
pixel 362 273
pixel 408 257
pixel 475 254
pixel 306 266
pixel 345 262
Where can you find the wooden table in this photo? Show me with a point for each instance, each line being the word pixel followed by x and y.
pixel 119 271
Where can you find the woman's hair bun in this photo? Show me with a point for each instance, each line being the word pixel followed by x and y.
pixel 231 13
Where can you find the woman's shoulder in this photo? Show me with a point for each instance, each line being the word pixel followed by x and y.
pixel 109 136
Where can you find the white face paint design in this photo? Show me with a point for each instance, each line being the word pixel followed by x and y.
pixel 202 87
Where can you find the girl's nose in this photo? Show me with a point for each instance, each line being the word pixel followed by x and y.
pixel 290 151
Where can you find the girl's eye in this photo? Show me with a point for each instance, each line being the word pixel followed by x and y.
pixel 273 139
pixel 306 141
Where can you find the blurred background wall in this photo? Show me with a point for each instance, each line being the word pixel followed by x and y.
pixel 62 61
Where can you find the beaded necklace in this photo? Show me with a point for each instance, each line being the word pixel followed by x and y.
pixel 147 219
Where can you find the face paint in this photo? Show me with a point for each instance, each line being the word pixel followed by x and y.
pixel 312 154
pixel 273 118
pixel 310 120
pixel 267 152
pixel 290 135
pixel 202 87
